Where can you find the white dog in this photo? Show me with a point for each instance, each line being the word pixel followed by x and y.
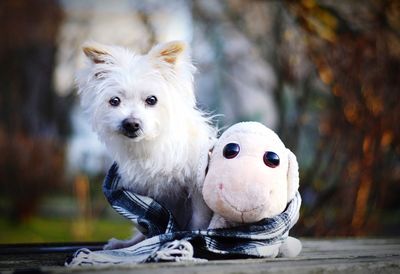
pixel 143 108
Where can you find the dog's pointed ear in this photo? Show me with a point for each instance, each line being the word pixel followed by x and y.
pixel 292 175
pixel 168 52
pixel 97 53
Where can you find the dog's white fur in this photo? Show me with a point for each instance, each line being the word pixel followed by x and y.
pixel 167 158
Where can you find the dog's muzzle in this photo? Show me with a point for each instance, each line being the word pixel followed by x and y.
pixel 131 127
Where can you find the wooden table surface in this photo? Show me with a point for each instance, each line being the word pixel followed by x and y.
pixel 317 256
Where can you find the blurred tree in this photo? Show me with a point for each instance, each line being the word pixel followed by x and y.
pixel 32 117
pixel 356 50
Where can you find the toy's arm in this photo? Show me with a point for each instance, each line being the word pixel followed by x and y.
pixel 217 221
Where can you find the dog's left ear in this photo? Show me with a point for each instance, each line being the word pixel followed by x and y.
pixel 292 175
pixel 97 53
pixel 168 52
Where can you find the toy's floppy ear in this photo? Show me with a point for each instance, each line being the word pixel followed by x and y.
pixel 292 175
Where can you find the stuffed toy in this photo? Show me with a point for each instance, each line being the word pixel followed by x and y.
pixel 251 176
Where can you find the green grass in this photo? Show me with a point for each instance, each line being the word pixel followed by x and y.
pixel 45 230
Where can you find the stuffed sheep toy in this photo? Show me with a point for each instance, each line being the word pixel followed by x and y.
pixel 251 176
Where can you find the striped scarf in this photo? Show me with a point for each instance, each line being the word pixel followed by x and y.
pixel 165 242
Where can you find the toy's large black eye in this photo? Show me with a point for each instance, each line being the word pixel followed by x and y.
pixel 231 150
pixel 115 101
pixel 151 100
pixel 271 159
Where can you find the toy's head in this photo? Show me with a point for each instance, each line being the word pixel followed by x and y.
pixel 251 175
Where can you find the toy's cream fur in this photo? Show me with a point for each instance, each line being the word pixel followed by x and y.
pixel 160 145
pixel 245 188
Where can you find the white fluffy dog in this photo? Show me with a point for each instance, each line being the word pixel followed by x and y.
pixel 143 108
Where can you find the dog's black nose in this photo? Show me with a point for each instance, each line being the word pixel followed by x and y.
pixel 130 126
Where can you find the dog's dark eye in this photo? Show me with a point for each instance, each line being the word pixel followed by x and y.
pixel 231 150
pixel 271 159
pixel 151 100
pixel 115 101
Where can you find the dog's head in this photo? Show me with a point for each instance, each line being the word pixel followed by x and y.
pixel 133 96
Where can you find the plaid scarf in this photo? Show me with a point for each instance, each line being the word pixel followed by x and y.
pixel 165 242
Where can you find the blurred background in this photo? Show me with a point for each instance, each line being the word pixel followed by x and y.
pixel 324 74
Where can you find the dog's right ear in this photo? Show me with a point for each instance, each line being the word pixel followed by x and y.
pixel 168 52
pixel 97 53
